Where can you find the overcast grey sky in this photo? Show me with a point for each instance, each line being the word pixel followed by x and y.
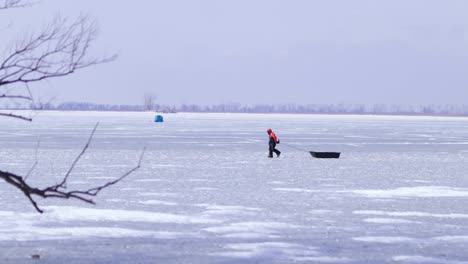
pixel 258 51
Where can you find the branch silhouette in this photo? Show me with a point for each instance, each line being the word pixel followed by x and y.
pixel 60 190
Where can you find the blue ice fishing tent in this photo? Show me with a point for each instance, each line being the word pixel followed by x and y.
pixel 158 118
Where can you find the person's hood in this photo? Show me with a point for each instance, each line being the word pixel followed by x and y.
pixel 269 131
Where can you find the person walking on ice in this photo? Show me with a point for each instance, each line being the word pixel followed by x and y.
pixel 273 140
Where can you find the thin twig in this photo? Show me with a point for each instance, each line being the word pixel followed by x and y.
pixel 56 192
pixel 3 96
pixel 94 191
pixel 35 162
pixel 16 116
pixel 63 184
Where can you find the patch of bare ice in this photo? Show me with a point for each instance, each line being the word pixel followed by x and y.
pixel 386 239
pixel 411 214
pixel 419 191
pixel 158 202
pixel 389 221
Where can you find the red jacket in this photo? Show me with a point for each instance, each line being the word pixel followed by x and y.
pixel 272 135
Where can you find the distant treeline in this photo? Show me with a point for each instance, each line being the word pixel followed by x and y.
pixel 433 109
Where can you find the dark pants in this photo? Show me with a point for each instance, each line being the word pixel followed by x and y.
pixel 273 149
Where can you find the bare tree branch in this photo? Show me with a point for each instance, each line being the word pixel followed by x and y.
pixel 96 190
pixel 59 50
pixel 16 116
pixel 59 190
pixel 63 183
pixel 3 96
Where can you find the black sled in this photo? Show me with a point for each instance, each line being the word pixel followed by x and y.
pixel 325 155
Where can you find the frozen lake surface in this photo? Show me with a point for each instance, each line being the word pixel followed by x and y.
pixel 207 193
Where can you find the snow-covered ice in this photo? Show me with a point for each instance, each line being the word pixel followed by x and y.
pixel 207 193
